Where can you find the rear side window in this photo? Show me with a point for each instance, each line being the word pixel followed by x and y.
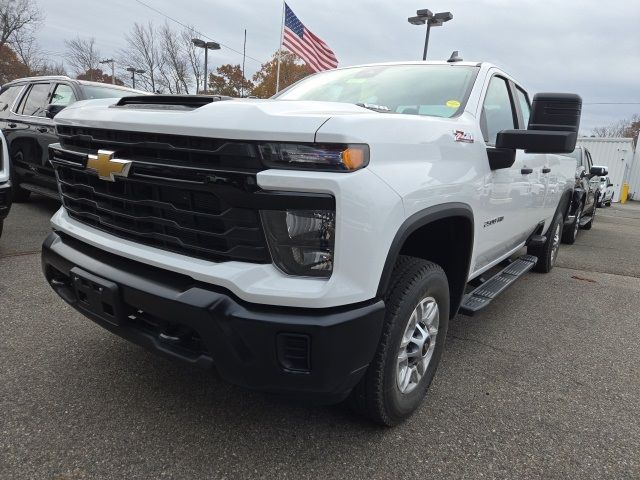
pixel 36 100
pixel 92 92
pixel 8 98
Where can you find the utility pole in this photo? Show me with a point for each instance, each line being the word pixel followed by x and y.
pixel 113 69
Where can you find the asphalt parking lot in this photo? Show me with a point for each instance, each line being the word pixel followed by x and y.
pixel 544 384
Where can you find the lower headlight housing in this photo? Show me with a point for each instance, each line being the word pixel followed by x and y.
pixel 301 242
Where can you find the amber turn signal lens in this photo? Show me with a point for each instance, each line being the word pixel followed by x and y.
pixel 353 158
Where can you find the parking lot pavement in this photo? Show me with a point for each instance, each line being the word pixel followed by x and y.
pixel 543 384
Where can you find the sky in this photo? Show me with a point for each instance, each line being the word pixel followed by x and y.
pixel 587 47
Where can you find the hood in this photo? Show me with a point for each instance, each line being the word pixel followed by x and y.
pixel 241 119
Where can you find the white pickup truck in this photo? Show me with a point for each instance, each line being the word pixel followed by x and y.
pixel 315 244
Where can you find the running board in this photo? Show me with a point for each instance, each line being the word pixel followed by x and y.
pixel 482 296
pixel 46 192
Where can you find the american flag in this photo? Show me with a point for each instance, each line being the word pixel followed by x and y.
pixel 299 40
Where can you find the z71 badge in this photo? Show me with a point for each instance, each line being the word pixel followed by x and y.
pixel 461 136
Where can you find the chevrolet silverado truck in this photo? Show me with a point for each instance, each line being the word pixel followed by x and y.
pixel 315 244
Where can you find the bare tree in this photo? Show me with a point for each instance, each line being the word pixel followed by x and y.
pixel 143 52
pixel 627 128
pixel 194 54
pixel 26 47
pixel 17 16
pixel 174 72
pixel 82 55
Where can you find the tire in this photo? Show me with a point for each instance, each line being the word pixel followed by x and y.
pixel 18 194
pixel 589 224
pixel 382 396
pixel 1 227
pixel 548 252
pixel 570 232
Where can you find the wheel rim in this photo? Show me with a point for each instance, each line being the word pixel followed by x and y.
pixel 576 227
pixel 556 244
pixel 417 344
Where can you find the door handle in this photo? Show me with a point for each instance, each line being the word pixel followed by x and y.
pixel 546 170
pixel 526 171
pixel 42 129
pixel 12 125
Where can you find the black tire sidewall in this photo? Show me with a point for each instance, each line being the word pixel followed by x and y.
pixel 434 284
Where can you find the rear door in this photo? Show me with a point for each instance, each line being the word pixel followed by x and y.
pixel 34 132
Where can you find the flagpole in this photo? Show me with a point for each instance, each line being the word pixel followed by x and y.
pixel 280 47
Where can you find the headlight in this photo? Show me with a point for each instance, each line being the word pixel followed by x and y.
pixel 301 242
pixel 341 158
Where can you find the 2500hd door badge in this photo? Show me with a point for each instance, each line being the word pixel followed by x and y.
pixel 493 221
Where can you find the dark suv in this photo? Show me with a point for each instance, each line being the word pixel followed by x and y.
pixel 27 108
pixel 585 195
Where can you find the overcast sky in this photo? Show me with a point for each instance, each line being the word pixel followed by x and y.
pixel 588 47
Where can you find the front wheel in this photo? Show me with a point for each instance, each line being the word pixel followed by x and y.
pixel 411 344
pixel 570 232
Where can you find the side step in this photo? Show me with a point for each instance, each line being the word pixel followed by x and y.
pixel 47 192
pixel 483 295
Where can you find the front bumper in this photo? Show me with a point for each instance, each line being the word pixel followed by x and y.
pixel 317 354
pixel 5 199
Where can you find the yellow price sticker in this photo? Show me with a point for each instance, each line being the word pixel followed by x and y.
pixel 453 104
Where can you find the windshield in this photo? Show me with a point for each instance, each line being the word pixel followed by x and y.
pixel 92 92
pixel 433 90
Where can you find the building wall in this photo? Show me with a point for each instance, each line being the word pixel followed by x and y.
pixel 634 176
pixel 614 153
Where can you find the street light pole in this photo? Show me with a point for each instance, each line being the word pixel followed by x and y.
pixel 133 74
pixel 207 46
pixel 113 69
pixel 425 16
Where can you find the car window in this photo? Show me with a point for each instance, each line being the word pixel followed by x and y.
pixel 63 95
pixel 8 97
pixel 35 102
pixel 523 100
pixel 92 92
pixel 428 90
pixel 497 110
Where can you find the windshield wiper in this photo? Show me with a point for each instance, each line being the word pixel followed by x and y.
pixel 375 108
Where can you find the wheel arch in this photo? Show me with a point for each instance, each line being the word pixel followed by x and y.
pixel 451 248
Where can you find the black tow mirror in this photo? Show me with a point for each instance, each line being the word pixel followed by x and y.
pixel 553 125
pixel 52 110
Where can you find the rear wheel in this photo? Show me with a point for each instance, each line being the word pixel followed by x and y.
pixel 547 253
pixel 411 344
pixel 1 226
pixel 570 232
pixel 589 224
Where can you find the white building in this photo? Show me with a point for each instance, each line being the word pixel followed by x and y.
pixel 614 153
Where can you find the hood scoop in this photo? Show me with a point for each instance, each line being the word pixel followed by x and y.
pixel 169 102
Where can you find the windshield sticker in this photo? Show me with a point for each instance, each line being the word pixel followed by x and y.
pixel 464 137
pixel 453 104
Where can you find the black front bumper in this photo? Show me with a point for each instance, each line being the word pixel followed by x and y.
pixel 317 354
pixel 5 199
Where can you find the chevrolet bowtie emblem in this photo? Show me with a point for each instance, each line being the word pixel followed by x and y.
pixel 108 167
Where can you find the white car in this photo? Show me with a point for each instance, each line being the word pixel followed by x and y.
pixel 605 192
pixel 5 184
pixel 315 244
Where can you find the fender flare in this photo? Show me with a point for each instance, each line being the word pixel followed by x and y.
pixel 419 220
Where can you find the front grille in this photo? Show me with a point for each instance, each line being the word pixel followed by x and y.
pixel 187 195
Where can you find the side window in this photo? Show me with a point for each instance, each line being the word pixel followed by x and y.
pixel 8 97
pixel 497 110
pixel 523 101
pixel 63 95
pixel 36 100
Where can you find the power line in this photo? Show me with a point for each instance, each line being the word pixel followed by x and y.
pixel 199 33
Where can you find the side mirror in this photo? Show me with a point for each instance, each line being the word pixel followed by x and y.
pixel 52 110
pixel 599 171
pixel 553 125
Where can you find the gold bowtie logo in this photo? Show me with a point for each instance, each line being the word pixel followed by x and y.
pixel 107 167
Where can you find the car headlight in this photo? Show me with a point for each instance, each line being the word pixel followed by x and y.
pixel 301 242
pixel 332 157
